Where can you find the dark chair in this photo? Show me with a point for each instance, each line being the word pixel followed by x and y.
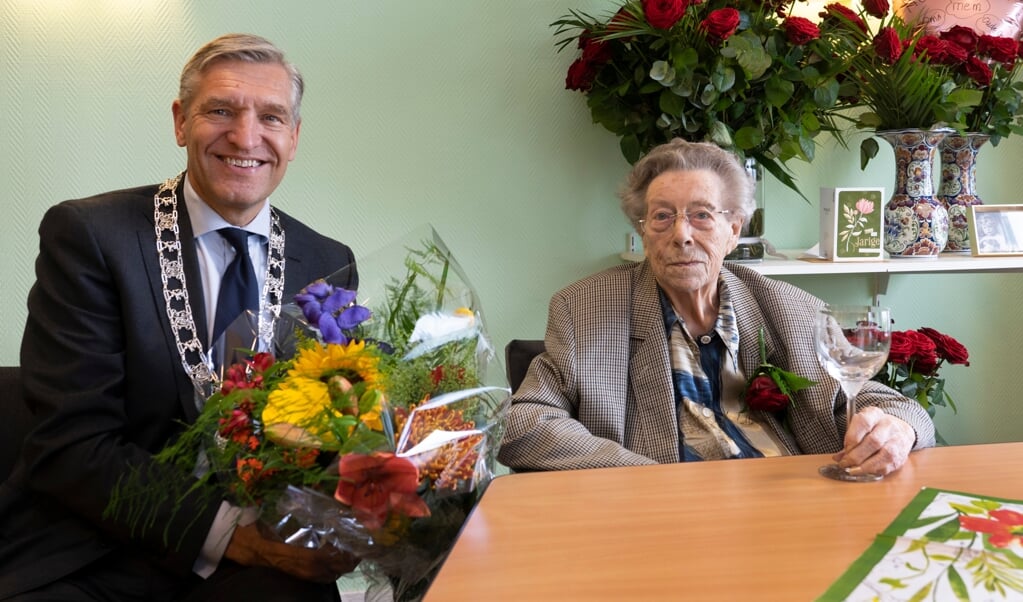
pixel 14 418
pixel 518 354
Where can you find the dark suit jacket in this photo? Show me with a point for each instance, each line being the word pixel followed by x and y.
pixel 106 386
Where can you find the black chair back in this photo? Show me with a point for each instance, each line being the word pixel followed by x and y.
pixel 518 354
pixel 14 418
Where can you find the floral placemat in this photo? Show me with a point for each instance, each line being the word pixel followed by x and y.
pixel 944 545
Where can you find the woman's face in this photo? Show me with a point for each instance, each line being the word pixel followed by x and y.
pixel 686 259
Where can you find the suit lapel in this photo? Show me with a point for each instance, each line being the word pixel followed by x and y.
pixel 650 372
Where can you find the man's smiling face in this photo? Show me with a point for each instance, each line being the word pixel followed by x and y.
pixel 240 134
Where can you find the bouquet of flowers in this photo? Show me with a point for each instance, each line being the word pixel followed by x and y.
pixel 913 363
pixel 748 75
pixel 987 65
pixel 899 72
pixel 368 429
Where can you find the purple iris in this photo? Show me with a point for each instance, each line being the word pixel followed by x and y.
pixel 332 310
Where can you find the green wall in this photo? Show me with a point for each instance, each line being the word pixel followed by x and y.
pixel 447 112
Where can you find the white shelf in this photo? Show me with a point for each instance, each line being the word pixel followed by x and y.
pixel 797 264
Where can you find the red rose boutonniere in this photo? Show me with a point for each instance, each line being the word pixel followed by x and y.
pixel 770 388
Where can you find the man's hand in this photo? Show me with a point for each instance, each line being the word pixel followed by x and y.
pixel 876 443
pixel 249 547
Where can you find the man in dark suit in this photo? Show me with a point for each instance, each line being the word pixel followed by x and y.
pixel 118 341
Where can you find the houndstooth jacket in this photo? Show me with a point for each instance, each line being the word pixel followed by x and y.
pixel 602 393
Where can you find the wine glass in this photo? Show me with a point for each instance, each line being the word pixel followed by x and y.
pixel 852 345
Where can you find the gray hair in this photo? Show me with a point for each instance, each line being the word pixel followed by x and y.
pixel 681 155
pixel 239 47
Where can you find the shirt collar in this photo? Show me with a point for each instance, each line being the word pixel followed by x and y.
pixel 204 219
pixel 725 326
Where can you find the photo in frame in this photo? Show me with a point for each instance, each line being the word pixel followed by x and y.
pixel 996 230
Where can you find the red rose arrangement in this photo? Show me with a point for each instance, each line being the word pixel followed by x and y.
pixel 749 76
pixel 987 65
pixel 770 388
pixel 914 360
pixel 907 77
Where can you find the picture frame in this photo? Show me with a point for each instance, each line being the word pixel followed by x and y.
pixel 996 230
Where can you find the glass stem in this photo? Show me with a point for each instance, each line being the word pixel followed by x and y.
pixel 851 388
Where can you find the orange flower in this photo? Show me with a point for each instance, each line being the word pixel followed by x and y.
pixel 375 485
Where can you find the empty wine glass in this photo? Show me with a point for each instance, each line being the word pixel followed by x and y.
pixel 852 345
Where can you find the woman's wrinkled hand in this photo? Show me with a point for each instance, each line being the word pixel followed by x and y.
pixel 876 443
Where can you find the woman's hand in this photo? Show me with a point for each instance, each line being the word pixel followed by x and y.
pixel 876 443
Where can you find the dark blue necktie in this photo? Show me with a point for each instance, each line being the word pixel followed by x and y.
pixel 239 290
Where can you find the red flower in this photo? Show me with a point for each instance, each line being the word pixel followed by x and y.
pixel 800 31
pixel 843 15
pixel 1003 50
pixel 721 23
pixel 236 427
pixel 902 348
pixel 947 347
pixel 581 74
pixel 887 45
pixel 595 51
pixel 925 353
pixel 1002 527
pixel 377 484
pixel 763 394
pixel 978 71
pixel 941 51
pixel 663 14
pixel 876 8
pixel 961 36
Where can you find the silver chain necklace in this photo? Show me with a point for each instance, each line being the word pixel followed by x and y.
pixel 197 361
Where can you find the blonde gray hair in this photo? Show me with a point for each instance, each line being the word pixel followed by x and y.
pixel 239 47
pixel 681 155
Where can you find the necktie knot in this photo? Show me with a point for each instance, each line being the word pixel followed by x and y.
pixel 238 238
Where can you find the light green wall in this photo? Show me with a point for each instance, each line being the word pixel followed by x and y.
pixel 448 112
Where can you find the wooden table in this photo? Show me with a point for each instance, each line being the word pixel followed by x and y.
pixel 763 529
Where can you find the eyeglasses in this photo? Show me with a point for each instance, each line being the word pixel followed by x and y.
pixel 662 220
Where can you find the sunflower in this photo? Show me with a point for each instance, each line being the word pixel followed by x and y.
pixel 300 410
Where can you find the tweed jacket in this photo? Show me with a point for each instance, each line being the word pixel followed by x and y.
pixel 105 384
pixel 602 395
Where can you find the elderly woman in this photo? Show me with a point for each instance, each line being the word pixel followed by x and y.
pixel 646 363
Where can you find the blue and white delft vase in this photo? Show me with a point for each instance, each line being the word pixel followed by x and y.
pixel 916 223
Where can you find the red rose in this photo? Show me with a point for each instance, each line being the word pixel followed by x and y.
pixel 964 37
pixel 887 45
pixel 876 8
pixel 581 74
pixel 901 348
pixel 978 71
pixel 940 51
pixel 721 24
pixel 925 354
pixel 843 16
pixel 947 347
pixel 763 394
pixel 1003 50
pixel 595 51
pixel 663 14
pixel 800 31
